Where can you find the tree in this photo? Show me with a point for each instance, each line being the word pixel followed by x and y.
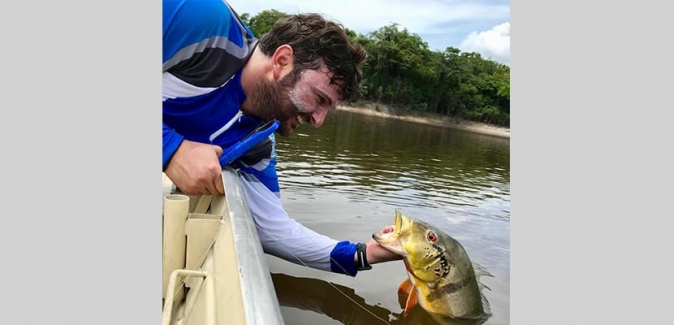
pixel 261 23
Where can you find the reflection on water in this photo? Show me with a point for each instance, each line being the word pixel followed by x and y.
pixel 342 304
pixel 346 178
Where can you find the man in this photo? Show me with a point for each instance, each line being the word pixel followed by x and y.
pixel 222 89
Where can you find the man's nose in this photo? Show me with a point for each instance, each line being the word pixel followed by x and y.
pixel 318 117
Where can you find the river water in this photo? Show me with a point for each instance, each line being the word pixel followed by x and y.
pixel 347 178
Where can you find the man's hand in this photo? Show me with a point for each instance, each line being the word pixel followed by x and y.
pixel 195 169
pixel 377 253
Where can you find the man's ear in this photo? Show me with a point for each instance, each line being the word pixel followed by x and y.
pixel 282 61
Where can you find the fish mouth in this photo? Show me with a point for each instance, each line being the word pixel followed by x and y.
pixel 391 240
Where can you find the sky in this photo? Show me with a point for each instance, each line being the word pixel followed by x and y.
pixel 481 26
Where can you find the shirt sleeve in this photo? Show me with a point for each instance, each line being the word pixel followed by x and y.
pixel 286 238
pixel 171 142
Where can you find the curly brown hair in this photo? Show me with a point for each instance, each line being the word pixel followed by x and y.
pixel 316 40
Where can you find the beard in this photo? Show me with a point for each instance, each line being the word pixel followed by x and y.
pixel 272 101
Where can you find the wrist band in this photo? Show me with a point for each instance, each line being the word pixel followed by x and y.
pixel 362 257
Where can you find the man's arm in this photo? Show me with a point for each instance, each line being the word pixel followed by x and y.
pixel 171 142
pixel 286 238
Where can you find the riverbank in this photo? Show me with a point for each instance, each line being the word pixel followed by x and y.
pixel 427 118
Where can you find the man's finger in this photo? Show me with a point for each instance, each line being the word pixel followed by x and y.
pixel 209 187
pixel 218 151
pixel 219 186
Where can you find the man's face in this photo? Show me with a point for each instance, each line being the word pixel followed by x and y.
pixel 307 100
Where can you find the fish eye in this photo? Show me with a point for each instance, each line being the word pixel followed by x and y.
pixel 431 237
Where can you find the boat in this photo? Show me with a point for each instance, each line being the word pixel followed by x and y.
pixel 214 270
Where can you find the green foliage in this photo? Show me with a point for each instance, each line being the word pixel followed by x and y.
pixel 403 72
pixel 263 21
pixel 350 33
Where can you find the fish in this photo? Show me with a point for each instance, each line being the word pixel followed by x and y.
pixel 441 277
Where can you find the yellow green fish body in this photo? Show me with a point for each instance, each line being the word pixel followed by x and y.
pixel 442 279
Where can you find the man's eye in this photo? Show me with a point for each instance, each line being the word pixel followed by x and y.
pixel 321 100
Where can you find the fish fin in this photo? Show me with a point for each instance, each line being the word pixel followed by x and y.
pixel 480 271
pixel 405 287
pixel 411 301
pixel 482 286
pixel 486 307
